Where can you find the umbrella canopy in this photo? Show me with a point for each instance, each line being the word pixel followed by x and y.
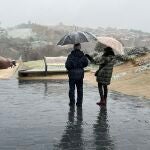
pixel 76 37
pixel 113 43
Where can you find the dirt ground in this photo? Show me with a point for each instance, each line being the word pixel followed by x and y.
pixel 8 73
pixel 129 82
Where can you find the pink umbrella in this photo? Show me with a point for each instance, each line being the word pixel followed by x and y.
pixel 113 43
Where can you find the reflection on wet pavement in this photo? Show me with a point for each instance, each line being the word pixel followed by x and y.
pixel 72 137
pixel 101 131
pixel 35 116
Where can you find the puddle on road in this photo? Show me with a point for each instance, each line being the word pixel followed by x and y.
pixel 36 115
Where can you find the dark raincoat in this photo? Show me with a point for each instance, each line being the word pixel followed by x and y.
pixel 75 64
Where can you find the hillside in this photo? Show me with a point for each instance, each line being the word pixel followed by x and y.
pixel 130 38
pixel 41 40
pixel 129 78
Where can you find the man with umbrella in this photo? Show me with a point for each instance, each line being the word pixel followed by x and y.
pixel 75 64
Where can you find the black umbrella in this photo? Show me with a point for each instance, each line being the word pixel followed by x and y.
pixel 76 37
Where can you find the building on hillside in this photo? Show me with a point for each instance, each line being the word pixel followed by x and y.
pixel 40 44
pixel 3 33
pixel 21 33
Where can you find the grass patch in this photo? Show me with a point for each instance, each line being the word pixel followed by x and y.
pixel 34 64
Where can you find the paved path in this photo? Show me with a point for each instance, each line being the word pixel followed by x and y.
pixel 36 116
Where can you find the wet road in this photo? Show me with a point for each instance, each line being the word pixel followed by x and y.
pixel 36 116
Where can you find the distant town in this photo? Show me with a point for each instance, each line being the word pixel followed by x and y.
pixel 25 38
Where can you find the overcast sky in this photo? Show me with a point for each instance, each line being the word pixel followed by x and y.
pixel 133 14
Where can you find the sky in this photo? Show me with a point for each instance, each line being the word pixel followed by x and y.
pixel 130 14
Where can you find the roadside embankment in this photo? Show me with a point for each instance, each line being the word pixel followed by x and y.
pixel 9 72
pixel 127 79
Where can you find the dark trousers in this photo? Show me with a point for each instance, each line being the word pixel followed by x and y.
pixel 79 85
pixel 103 90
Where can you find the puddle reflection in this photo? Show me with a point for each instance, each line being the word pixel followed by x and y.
pixel 101 131
pixel 72 137
pixel 47 86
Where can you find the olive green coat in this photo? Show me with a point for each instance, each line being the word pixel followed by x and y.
pixel 104 73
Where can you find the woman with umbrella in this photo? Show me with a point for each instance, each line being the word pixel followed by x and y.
pixel 104 73
pixel 106 63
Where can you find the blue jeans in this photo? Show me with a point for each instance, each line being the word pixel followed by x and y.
pixel 79 85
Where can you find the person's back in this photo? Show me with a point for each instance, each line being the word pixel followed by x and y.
pixel 75 64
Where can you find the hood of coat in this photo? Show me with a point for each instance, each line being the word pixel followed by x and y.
pixel 77 53
pixel 108 58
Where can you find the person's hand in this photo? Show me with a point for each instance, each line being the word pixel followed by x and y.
pixel 89 57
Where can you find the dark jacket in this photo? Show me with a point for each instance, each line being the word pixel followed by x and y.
pixel 75 64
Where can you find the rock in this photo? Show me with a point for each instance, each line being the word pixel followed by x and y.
pixel 6 63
